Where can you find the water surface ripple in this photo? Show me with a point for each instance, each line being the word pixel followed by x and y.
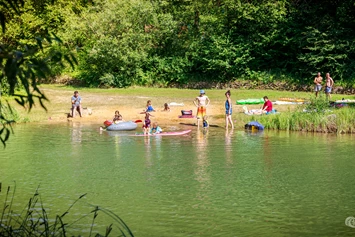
pixel 213 183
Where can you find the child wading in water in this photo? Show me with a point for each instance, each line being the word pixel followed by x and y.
pixel 146 123
pixel 228 106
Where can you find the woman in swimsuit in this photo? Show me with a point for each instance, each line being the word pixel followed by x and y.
pixel 228 106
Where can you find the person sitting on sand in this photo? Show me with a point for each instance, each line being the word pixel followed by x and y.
pixel 155 129
pixel 166 107
pixel 146 123
pixel 149 107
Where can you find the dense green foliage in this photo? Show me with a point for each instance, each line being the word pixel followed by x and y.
pixel 141 42
pixel 29 48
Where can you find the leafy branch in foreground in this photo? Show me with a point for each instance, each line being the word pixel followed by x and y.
pixel 34 220
pixel 22 65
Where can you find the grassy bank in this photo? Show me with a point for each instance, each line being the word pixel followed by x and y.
pixel 131 101
pixel 334 121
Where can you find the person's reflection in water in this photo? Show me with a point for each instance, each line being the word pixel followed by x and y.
pixel 117 146
pixel 202 164
pixel 228 146
pixel 76 133
pixel 267 159
pixel 148 154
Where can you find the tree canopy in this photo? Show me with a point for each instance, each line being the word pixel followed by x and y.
pixel 146 42
pixel 29 48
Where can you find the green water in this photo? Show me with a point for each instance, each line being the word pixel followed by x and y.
pixel 213 184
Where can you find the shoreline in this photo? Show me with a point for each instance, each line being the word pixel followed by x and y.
pixel 130 102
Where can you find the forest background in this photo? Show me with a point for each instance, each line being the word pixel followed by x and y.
pixel 118 43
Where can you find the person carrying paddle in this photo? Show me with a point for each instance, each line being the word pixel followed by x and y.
pixel 201 102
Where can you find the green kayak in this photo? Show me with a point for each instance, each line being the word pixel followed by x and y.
pixel 250 101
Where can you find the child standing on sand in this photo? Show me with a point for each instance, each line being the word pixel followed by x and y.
pixel 201 103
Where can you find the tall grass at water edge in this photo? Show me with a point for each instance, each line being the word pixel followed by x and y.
pixel 316 116
pixel 35 221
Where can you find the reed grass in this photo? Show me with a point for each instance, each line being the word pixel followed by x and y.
pixel 34 220
pixel 324 120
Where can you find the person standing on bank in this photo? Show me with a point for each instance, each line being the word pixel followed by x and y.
pixel 328 85
pixel 318 83
pixel 201 102
pixel 76 104
pixel 228 106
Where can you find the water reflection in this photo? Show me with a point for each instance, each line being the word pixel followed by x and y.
pixel 148 152
pixel 228 146
pixel 268 184
pixel 202 164
pixel 267 158
pixel 76 132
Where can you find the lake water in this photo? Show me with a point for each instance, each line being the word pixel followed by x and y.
pixel 200 184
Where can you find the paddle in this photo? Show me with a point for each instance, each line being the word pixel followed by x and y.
pixel 190 124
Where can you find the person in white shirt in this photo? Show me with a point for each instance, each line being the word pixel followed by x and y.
pixel 201 102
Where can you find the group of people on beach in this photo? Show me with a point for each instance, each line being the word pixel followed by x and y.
pixel 318 80
pixel 201 102
pixel 155 129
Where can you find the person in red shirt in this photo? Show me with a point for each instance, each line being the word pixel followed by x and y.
pixel 267 107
